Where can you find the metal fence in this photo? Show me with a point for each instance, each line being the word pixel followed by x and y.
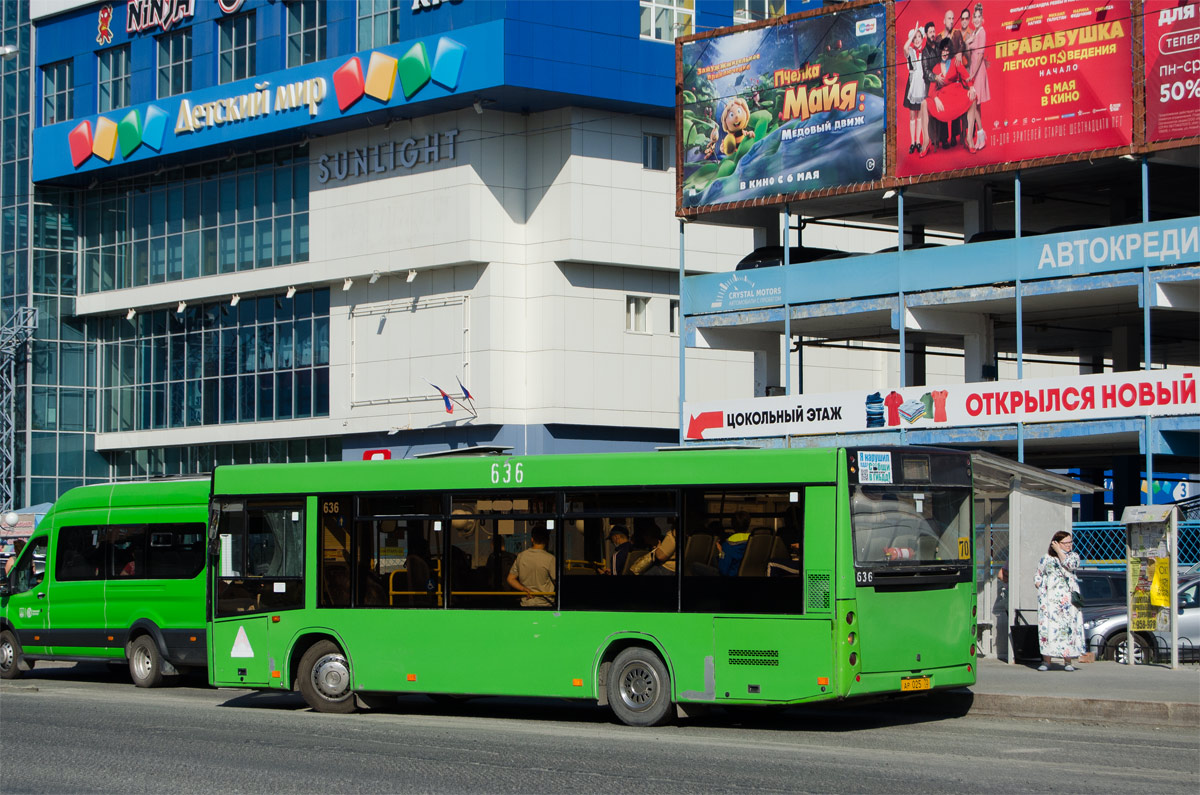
pixel 1099 545
pixel 1102 544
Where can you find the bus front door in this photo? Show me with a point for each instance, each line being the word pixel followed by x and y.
pixel 27 603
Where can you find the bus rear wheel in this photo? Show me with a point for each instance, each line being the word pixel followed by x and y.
pixel 145 662
pixel 10 656
pixel 639 688
pixel 325 678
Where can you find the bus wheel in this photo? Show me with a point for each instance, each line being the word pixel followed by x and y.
pixel 639 688
pixel 10 656
pixel 144 661
pixel 325 678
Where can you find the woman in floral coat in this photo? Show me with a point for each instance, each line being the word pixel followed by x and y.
pixel 1060 623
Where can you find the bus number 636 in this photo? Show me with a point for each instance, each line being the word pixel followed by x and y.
pixel 507 473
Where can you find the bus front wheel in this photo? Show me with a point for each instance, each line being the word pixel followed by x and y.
pixel 325 678
pixel 639 688
pixel 145 662
pixel 10 656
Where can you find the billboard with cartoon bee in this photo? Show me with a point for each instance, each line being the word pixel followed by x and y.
pixel 786 108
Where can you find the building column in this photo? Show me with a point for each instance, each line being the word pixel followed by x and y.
pixel 1127 482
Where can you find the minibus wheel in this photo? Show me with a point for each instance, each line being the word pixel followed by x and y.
pixel 325 678
pixel 10 656
pixel 144 662
pixel 639 688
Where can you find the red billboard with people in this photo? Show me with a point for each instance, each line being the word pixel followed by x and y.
pixel 988 83
pixel 1172 39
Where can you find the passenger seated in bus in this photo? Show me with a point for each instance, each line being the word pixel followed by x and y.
pixel 533 571
pixel 661 560
pixel 619 538
pixel 645 534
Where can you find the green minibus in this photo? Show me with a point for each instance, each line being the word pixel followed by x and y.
pixel 667 579
pixel 113 572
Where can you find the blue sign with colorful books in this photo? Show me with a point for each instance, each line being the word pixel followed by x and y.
pixel 371 81
pixel 787 108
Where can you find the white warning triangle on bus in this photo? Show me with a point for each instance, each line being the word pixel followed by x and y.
pixel 241 645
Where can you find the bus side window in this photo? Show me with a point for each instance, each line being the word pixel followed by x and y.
pixel 80 553
pixel 127 552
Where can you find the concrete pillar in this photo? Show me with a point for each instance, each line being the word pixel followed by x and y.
pixel 1127 482
pixel 766 369
pixel 973 217
pixel 915 366
pixel 1126 348
pixel 979 351
pixel 1091 506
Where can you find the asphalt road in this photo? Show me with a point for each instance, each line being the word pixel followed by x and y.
pixel 84 729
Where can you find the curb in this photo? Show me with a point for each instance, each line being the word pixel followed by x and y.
pixel 1142 713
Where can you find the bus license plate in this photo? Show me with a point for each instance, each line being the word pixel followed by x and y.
pixel 910 683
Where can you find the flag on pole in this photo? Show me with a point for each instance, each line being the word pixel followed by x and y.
pixel 466 394
pixel 445 399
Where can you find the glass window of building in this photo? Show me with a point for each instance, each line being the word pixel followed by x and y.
pixel 113 78
pixel 214 364
pixel 754 10
pixel 378 23
pixel 674 315
pixel 57 93
pixel 237 47
pixel 663 20
pixel 636 311
pixel 223 216
pixel 174 63
pixel 306 32
pixel 654 152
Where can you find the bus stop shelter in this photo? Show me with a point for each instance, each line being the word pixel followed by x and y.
pixel 1017 509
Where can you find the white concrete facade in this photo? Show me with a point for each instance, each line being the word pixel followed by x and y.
pixel 526 244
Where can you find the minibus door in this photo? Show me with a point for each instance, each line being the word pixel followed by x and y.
pixel 27 603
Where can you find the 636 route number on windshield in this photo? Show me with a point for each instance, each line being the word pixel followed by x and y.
pixel 508 472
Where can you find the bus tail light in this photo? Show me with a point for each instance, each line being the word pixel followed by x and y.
pixel 850 617
pixel 822 680
pixel 972 649
pixel 974 610
pixel 577 683
pixel 858 677
pixel 969 668
pixel 851 638
pixel 854 658
pixel 412 677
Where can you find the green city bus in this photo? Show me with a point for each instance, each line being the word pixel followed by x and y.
pixel 796 576
pixel 113 572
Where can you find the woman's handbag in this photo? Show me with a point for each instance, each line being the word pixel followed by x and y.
pixel 1077 599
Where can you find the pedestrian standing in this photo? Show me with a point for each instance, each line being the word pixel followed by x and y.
pixel 1060 622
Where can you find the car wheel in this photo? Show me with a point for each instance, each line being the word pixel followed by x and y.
pixel 1117 649
pixel 10 656
pixel 639 688
pixel 325 679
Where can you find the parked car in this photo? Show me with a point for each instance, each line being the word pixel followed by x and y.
pixel 1102 587
pixel 1106 627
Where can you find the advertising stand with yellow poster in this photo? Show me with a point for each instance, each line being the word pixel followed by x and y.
pixel 1152 553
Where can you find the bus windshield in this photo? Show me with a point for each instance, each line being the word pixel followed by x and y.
pixel 902 527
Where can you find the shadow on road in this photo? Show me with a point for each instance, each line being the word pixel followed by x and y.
pixel 850 717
